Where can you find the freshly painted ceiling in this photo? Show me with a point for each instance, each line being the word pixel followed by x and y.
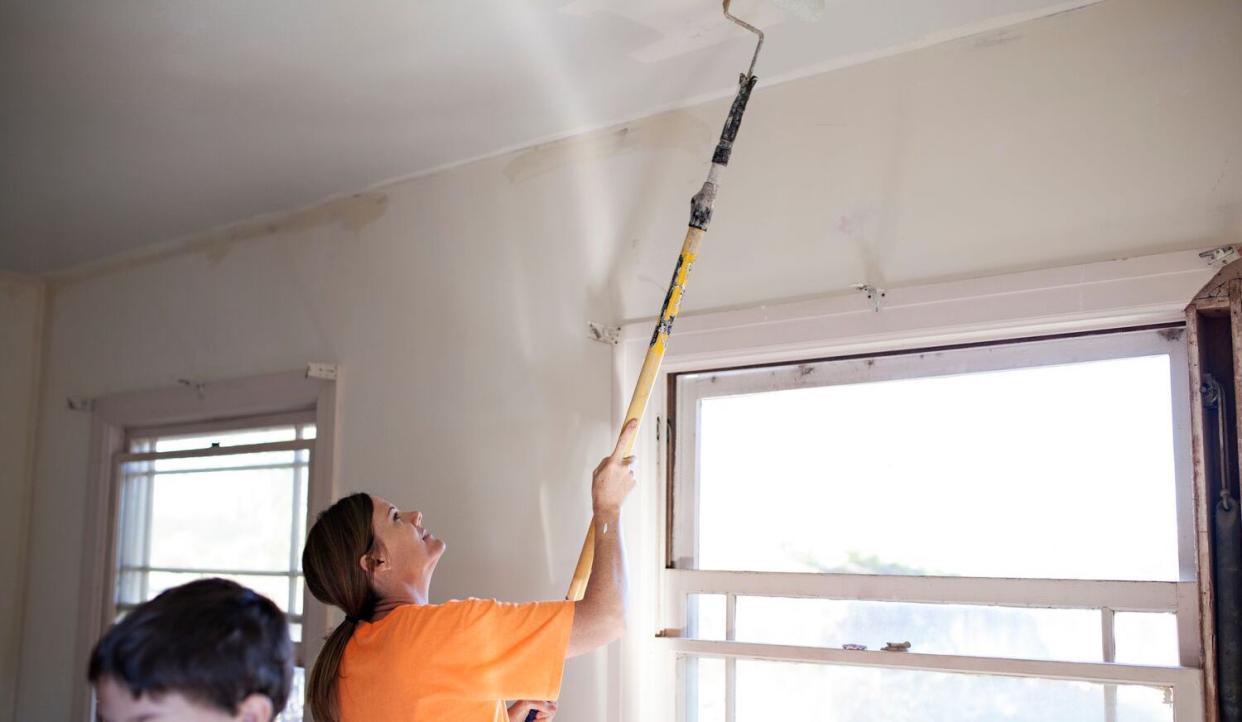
pixel 131 122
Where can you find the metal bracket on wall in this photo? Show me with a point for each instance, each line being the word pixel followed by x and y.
pixel 610 335
pixel 318 370
pixel 1218 257
pixel 874 294
pixel 200 387
pixel 80 403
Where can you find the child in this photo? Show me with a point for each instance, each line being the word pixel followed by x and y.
pixel 207 651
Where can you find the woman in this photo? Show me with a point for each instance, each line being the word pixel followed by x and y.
pixel 397 658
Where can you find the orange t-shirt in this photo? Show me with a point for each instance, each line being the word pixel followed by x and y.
pixel 455 662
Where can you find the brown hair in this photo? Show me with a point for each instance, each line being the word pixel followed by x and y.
pixel 339 538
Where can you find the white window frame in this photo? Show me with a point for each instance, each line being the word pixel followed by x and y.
pixel 1137 291
pixel 248 402
pixel 296 419
pixel 1105 597
pixel 927 363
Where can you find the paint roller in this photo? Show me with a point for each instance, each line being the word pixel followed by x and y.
pixel 700 216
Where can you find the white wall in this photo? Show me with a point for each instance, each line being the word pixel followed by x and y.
pixel 21 315
pixel 457 303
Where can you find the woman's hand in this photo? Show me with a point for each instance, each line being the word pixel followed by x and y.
pixel 613 479
pixel 544 710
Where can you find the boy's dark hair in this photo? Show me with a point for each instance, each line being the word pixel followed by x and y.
pixel 213 641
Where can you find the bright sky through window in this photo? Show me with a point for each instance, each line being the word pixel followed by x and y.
pixel 1062 471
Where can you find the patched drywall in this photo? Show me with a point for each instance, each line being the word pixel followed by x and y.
pixel 21 316
pixel 458 307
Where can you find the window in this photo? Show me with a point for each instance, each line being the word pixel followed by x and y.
pixel 225 499
pixel 1017 513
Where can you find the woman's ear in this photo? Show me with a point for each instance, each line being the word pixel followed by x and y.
pixel 255 708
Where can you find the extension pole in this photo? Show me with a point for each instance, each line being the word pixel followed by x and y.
pixel 700 217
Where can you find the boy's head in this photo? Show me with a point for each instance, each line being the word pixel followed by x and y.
pixel 205 651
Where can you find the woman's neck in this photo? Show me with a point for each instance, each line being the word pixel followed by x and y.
pixel 409 595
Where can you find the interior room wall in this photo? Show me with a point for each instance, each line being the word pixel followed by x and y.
pixel 457 303
pixel 21 316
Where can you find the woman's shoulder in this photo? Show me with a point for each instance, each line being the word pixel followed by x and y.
pixel 417 620
pixel 452 607
pixel 466 612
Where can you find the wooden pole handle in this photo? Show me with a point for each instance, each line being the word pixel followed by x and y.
pixel 642 389
pixel 700 217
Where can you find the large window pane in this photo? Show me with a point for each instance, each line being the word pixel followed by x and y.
pixel 1046 472
pixel 1061 634
pixel 222 520
pixel 828 693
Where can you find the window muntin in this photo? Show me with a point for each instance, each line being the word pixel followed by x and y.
pixel 233 437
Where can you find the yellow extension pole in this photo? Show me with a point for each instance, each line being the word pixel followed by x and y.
pixel 642 389
pixel 700 217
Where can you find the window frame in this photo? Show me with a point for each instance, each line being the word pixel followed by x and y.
pixel 299 444
pixel 187 408
pixel 687 388
pixel 1095 296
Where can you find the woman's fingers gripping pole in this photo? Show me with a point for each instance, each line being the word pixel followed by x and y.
pixel 614 477
pixel 625 442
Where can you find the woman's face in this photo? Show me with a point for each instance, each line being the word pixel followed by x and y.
pixel 406 551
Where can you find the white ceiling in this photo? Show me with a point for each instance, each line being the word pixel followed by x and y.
pixel 129 122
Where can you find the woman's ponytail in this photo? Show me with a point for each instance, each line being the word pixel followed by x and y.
pixel 321 692
pixel 340 537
